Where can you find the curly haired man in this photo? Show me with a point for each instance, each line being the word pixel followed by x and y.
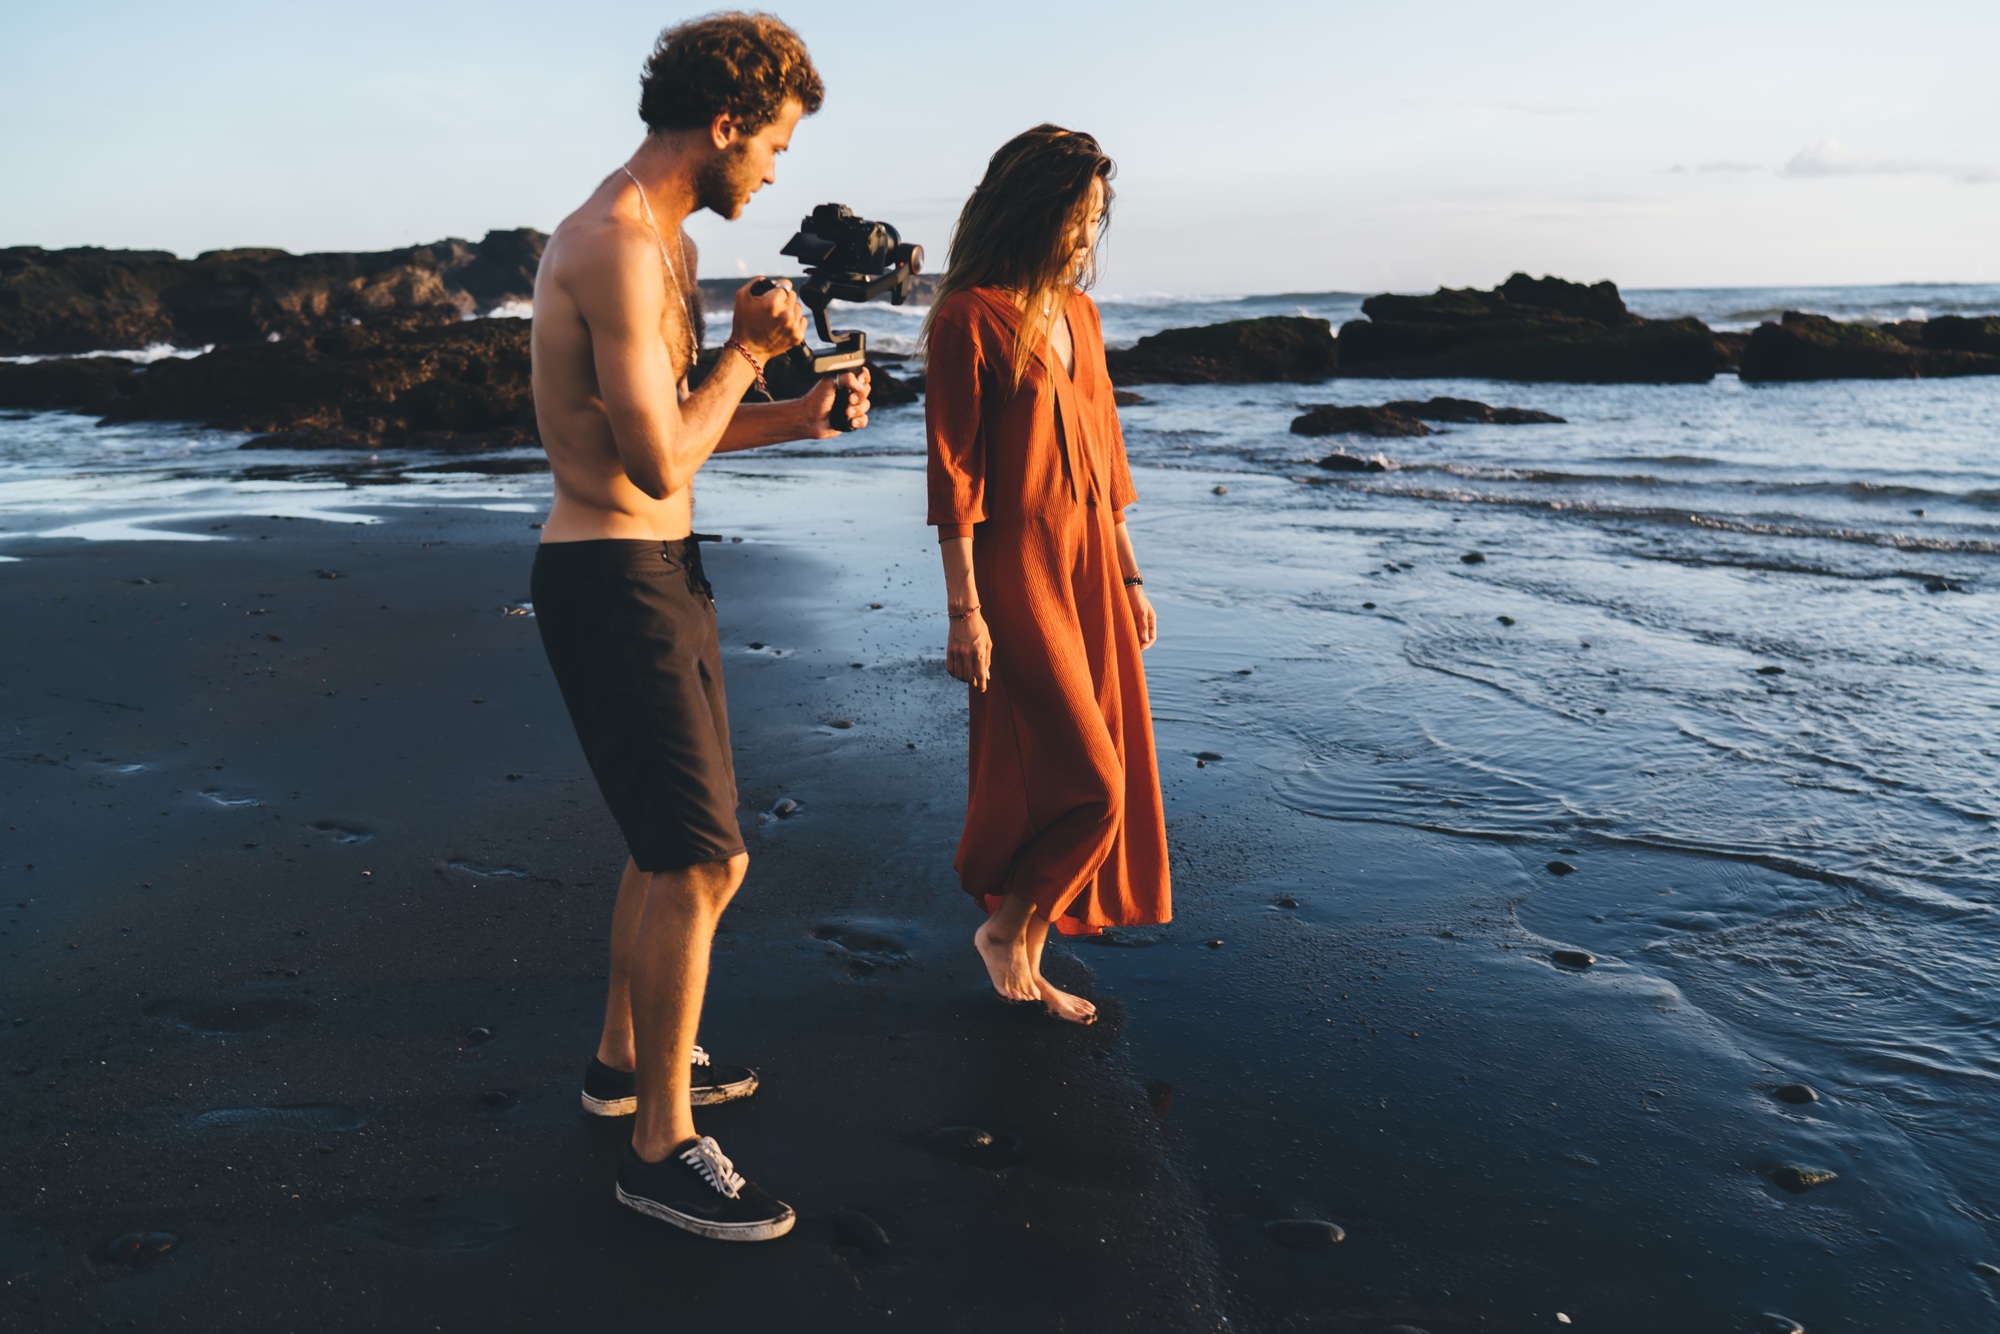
pixel 626 614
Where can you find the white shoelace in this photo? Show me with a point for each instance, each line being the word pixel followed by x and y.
pixel 705 1157
pixel 700 1057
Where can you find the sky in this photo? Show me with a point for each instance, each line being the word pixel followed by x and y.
pixel 1263 145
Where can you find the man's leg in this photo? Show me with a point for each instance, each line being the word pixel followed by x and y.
pixel 668 973
pixel 614 1048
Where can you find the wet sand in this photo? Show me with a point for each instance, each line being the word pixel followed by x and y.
pixel 309 901
pixel 241 1003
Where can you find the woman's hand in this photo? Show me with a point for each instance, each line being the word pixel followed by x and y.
pixel 818 403
pixel 968 652
pixel 1143 616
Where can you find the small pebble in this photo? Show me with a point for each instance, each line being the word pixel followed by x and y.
pixel 1799 1180
pixel 1772 1323
pixel 1573 958
pixel 853 1228
pixel 1367 606
pixel 1223 491
pixel 1474 558
pixel 479 1035
pixel 133 1247
pixel 756 643
pixel 1288 902
pixel 1215 944
pixel 785 808
pixel 1304 1232
pixel 975 1145
pixel 1771 669
pixel 1560 868
pixel 874 606
pixel 1504 620
pixel 1207 755
pixel 841 723
pixel 1795 1093
pixel 1940 586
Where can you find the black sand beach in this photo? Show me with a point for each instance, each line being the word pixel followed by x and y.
pixel 287 849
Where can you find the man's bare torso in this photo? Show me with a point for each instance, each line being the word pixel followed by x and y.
pixel 593 496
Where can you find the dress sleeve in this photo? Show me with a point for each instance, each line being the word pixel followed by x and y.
pixel 954 431
pixel 1123 493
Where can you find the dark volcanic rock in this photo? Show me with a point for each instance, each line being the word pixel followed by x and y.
pixel 1333 419
pixel 462 385
pixel 133 1247
pixel 1468 410
pixel 1304 1232
pixel 1960 333
pixel 1799 1180
pixel 1276 347
pixel 1342 461
pixel 87 298
pixel 1526 329
pixel 1813 347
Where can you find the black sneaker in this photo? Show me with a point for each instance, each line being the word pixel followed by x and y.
pixel 696 1188
pixel 609 1092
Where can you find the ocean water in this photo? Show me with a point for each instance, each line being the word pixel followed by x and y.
pixel 1758 624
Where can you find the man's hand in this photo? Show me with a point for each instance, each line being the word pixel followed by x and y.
pixel 818 403
pixel 771 323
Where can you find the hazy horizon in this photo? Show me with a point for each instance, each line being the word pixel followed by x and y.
pixel 1298 148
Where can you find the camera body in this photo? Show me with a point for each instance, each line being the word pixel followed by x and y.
pixel 848 258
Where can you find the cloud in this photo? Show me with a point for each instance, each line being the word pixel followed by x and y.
pixel 1831 157
pixel 1711 167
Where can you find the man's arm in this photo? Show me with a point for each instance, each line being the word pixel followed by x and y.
pixel 620 290
pixel 803 418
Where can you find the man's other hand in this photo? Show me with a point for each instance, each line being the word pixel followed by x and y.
pixel 771 323
pixel 818 403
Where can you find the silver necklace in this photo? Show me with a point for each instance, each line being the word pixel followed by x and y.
pixel 673 275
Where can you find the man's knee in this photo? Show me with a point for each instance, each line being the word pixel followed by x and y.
pixel 718 881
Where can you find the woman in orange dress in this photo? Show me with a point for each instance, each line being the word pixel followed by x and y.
pixel 1028 485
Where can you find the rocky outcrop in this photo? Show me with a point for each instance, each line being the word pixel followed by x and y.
pixel 88 299
pixel 1332 419
pixel 404 382
pixel 1273 348
pixel 1813 347
pixel 401 382
pixel 1406 417
pixel 1526 329
pixel 1467 410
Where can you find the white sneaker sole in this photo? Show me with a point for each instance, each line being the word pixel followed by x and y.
pixel 706 1096
pixel 764 1231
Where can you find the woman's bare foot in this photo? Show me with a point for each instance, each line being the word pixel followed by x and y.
pixel 1073 1009
pixel 1006 964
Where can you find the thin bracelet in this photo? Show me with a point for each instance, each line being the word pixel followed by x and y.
pixel 756 366
pixel 963 615
pixel 1133 581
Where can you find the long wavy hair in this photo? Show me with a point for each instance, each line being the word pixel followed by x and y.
pixel 1016 231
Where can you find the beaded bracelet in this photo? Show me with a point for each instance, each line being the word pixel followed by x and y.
pixel 756 366
pixel 1133 581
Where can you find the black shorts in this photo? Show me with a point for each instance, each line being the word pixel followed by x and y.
pixel 629 628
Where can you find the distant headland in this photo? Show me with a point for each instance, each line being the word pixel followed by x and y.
pixel 387 349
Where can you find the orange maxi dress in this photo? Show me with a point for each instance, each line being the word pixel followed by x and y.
pixel 1063 794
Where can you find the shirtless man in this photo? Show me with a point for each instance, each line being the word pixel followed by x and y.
pixel 626 614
